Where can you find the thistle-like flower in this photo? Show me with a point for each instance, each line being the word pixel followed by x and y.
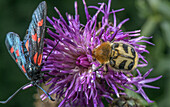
pixel 71 65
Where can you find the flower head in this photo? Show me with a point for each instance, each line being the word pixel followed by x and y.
pixel 72 65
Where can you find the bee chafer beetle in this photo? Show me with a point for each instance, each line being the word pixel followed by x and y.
pixel 120 56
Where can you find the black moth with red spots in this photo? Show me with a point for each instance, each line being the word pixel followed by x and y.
pixel 28 53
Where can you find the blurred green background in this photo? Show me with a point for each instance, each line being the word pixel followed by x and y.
pixel 151 16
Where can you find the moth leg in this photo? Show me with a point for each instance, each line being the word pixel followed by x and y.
pixel 44 92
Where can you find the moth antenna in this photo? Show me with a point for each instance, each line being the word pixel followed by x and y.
pixel 9 98
pixel 51 51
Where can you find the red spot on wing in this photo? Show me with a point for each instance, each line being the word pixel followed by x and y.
pixel 16 60
pixel 12 50
pixel 17 52
pixel 39 59
pixel 34 37
pixel 22 50
pixel 35 57
pixel 39 40
pixel 26 45
pixel 40 23
pixel 23 68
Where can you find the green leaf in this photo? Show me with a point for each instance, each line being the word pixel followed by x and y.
pixel 144 10
pixel 154 4
pixel 164 8
pixel 153 104
pixel 165 25
pixel 141 100
pixel 163 64
pixel 150 25
pixel 136 96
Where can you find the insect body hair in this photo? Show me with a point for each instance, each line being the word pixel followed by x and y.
pixel 102 53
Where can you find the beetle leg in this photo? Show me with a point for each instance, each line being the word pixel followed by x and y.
pixel 98 67
pixel 106 68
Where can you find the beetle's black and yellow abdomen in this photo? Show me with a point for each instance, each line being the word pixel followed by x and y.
pixel 119 56
pixel 123 57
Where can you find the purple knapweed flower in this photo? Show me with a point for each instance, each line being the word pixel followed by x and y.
pixel 71 65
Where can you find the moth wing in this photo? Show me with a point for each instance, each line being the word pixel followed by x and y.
pixel 14 46
pixel 34 40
